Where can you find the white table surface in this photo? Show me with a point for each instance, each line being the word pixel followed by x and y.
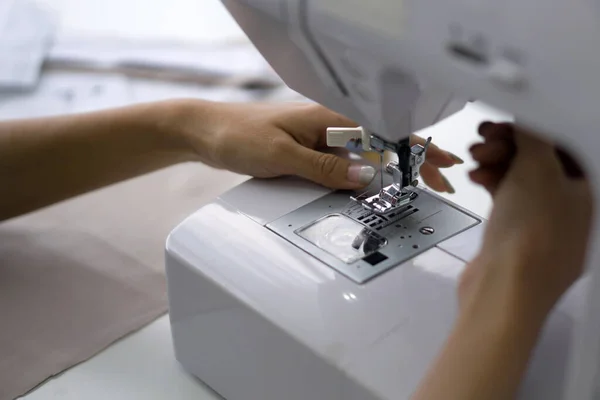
pixel 143 366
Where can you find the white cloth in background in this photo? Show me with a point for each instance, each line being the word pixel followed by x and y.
pixel 30 40
pixel 62 93
pixel 26 32
pixel 195 21
pixel 205 64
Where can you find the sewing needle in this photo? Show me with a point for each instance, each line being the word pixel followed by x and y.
pixel 381 170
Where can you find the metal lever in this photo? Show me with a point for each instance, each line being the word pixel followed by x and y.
pixel 340 137
pixel 417 159
pixel 418 149
pixel 417 156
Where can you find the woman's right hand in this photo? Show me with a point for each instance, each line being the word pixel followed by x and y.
pixel 536 238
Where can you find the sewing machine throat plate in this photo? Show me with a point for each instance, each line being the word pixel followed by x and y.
pixel 361 244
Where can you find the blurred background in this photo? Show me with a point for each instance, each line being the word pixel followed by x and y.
pixel 62 56
pixel 184 21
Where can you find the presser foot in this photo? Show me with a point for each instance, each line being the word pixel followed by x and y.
pixel 389 199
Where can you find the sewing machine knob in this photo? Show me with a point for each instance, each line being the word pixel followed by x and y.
pixel 339 137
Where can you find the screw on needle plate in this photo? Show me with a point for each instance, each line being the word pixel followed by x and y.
pixel 427 230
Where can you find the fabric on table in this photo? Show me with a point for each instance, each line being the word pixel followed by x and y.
pixel 77 276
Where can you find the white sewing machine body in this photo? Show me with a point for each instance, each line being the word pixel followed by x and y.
pixel 262 309
pixel 256 317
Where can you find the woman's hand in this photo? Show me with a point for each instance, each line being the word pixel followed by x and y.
pixel 537 234
pixel 533 250
pixel 270 140
pixel 46 160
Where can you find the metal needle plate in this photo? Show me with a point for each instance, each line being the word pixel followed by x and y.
pixel 407 232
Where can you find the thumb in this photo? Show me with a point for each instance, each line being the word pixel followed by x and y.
pixel 330 170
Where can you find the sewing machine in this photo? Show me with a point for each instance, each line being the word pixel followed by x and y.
pixel 281 289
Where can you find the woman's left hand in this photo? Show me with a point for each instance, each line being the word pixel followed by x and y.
pixel 533 249
pixel 270 140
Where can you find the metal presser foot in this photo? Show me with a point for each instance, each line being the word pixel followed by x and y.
pixel 405 172
pixel 405 175
pixel 387 200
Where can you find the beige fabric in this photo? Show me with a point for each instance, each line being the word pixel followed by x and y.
pixel 78 276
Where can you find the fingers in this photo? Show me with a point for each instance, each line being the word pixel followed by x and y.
pixel 494 156
pixel 490 178
pixel 327 169
pixel 493 131
pixel 529 156
pixel 433 178
pixel 498 147
pixel 492 152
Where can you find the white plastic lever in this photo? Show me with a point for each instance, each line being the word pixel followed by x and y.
pixel 339 137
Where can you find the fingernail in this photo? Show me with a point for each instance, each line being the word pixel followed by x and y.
pixel 456 158
pixel 449 187
pixel 362 174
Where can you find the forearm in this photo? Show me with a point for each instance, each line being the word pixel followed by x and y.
pixel 46 160
pixel 479 361
pixel 486 354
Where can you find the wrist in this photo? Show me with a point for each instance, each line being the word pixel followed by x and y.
pixel 496 290
pixel 493 349
pixel 186 127
pixel 509 319
pixel 499 336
